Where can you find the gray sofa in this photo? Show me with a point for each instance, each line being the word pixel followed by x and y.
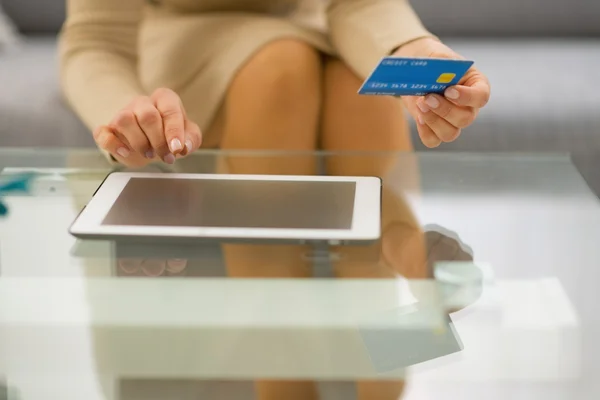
pixel 542 57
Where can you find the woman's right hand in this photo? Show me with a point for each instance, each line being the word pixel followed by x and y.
pixel 149 129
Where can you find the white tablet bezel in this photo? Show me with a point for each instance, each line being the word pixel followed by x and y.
pixel 365 222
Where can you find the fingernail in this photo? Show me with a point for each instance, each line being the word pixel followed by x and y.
pixel 452 94
pixel 189 145
pixel 176 145
pixel 431 141
pixel 423 107
pixel 150 154
pixel 130 265
pixel 123 152
pixel 420 120
pixel 432 102
pixel 434 142
pixel 154 267
pixel 176 266
pixel 169 159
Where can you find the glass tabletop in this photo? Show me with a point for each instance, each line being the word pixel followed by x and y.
pixel 482 285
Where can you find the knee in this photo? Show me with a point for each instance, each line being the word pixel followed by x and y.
pixel 341 98
pixel 338 74
pixel 284 72
pixel 341 85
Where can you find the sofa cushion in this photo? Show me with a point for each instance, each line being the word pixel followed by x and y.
pixel 8 32
pixel 525 112
pixel 36 16
pixel 32 111
pixel 477 18
pixel 543 96
pixel 445 18
pixel 544 102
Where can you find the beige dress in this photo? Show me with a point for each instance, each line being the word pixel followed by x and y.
pixel 114 50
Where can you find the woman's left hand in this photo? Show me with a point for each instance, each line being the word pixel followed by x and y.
pixel 441 118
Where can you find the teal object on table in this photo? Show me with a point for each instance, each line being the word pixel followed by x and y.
pixel 11 184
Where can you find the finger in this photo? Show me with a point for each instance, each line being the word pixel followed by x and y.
pixel 129 265
pixel 188 145
pixel 122 124
pixel 473 93
pixel 176 266
pixel 193 138
pixel 445 131
pixel 458 116
pixel 150 121
pixel 149 126
pixel 128 130
pixel 169 106
pixel 154 267
pixel 107 140
pixel 428 137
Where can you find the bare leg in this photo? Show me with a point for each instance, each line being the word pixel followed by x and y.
pixel 365 124
pixel 273 104
pixel 355 123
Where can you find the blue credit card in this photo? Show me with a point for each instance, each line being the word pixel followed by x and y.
pixel 397 76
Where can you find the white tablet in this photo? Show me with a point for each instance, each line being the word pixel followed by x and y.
pixel 191 207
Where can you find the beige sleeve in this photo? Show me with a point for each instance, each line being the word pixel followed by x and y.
pixel 364 31
pixel 98 57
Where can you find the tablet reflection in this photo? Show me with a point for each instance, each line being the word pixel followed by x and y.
pixel 404 253
pixel 151 267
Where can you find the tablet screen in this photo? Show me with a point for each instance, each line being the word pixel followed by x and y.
pixel 234 204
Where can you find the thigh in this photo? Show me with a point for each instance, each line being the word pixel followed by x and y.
pixel 355 122
pixel 374 126
pixel 198 55
pixel 272 104
pixel 273 101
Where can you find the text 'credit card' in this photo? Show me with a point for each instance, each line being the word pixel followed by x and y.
pixel 397 76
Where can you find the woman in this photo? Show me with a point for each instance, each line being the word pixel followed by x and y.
pixel 157 79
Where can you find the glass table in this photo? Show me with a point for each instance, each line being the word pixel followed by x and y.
pixel 483 285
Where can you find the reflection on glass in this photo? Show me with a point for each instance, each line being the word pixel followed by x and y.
pixel 404 254
pixel 233 204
